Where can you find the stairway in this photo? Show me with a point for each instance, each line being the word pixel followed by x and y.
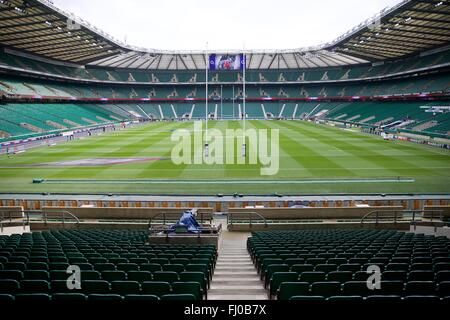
pixel 235 277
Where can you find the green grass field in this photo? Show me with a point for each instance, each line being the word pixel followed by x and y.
pixel 314 159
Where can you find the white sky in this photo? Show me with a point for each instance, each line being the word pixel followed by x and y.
pixel 230 24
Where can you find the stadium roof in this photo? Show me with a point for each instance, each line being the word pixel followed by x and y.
pixel 39 28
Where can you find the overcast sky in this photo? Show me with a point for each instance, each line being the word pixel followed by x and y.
pixel 230 24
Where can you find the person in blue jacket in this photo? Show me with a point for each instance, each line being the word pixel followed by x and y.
pixel 188 220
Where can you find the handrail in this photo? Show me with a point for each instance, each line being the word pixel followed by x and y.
pixel 163 214
pixel 26 216
pixel 377 212
pixel 230 217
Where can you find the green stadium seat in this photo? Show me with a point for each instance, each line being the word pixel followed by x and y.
pixel 90 275
pixel 15 266
pixel 190 287
pixel 85 266
pixel 391 287
pixel 11 274
pixel 37 266
pixel 395 275
pixel 357 288
pixel 420 288
pixel 182 261
pixel 34 286
pixel 383 298
pixel 19 259
pixel 340 276
pixel 293 261
pixel 312 276
pixel 114 275
pixel 36 275
pixel 271 269
pixel 151 267
pixel 178 268
pixel 139 276
pixel 190 297
pixel 125 287
pixel 32 297
pixel 279 277
pixel 58 266
pixel 199 267
pixel 444 288
pixel 353 267
pixel 138 261
pixel 128 267
pixel 316 261
pixel 56 259
pixel 104 297
pixel 6 298
pixel 97 260
pixel 307 298
pixel 443 275
pixel 439 266
pixel 300 268
pixel 95 287
pixel 160 261
pixel 68 297
pixel 325 268
pixel 422 299
pixel 326 288
pixel 60 286
pixel 197 277
pixel 397 267
pixel 166 276
pixel 157 288
pixel 345 299
pixel 290 289
pixel 421 275
pixel 104 267
pixel 140 297
pixel 9 286
pixel 337 261
pixel 78 260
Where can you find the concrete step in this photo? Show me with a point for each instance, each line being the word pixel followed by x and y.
pixel 237 281
pixel 242 256
pixel 235 274
pixel 234 268
pixel 237 287
pixel 236 264
pixel 236 290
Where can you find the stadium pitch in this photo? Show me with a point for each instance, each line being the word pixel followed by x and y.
pixel 313 159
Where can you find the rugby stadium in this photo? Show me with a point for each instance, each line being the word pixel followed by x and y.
pixel 311 171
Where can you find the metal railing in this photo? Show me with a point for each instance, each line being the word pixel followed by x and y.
pixel 243 215
pixel 166 218
pixel 406 215
pixel 24 217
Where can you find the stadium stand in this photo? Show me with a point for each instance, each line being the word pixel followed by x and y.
pixel 324 264
pixel 113 263
pixel 394 80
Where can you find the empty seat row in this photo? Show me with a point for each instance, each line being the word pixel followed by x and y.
pixel 157 288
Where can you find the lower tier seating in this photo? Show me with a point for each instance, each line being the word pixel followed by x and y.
pixel 334 264
pixel 113 265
